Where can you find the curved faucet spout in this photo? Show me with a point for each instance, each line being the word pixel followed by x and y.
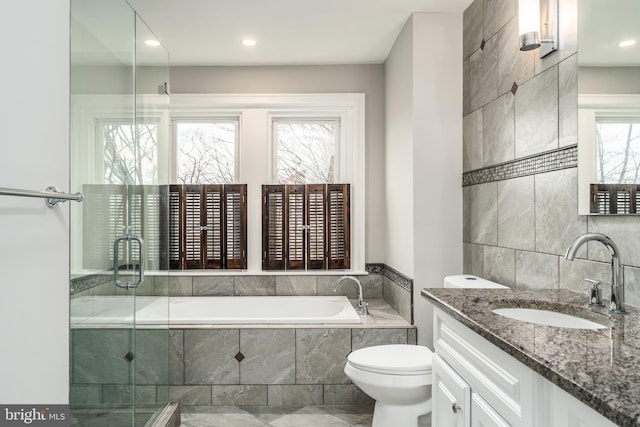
pixel 362 304
pixel 616 304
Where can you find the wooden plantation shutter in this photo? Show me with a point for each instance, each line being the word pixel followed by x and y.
pixel 338 238
pixel 316 218
pixel 306 227
pixel 235 226
pixel 112 210
pixel 103 219
pixel 146 218
pixel 208 226
pixel 273 227
pixel 295 227
pixel 176 219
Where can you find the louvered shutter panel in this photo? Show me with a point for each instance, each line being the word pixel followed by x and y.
pixel 338 225
pixel 294 220
pixel 316 219
pixel 162 212
pixel 135 215
pixel 324 234
pixel 207 226
pixel 235 221
pixel 193 227
pixel 176 226
pixel 273 227
pixel 103 219
pixel 212 232
pixel 152 226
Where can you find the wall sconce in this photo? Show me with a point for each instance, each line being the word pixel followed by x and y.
pixel 538 25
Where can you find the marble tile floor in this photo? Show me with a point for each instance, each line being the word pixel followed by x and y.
pixel 270 416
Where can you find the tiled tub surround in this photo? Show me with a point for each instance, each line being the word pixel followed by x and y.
pixel 277 365
pixel 517 228
pixel 598 367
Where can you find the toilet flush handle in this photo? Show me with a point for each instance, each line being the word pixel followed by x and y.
pixel 456 408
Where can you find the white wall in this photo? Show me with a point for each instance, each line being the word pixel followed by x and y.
pixel 398 152
pixel 424 156
pixel 34 273
pixel 437 158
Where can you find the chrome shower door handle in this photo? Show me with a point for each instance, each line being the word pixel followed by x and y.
pixel 116 249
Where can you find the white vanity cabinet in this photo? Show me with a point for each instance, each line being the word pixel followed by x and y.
pixel 451 393
pixel 477 384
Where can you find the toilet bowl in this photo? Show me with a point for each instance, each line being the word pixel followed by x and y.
pixel 398 376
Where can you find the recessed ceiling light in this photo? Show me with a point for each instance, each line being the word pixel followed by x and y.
pixel 154 43
pixel 249 42
pixel 626 43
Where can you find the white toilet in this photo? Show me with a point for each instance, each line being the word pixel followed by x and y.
pixel 398 376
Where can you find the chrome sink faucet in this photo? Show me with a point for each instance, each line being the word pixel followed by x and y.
pixel 362 304
pixel 616 304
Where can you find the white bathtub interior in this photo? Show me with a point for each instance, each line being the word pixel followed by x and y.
pixel 92 311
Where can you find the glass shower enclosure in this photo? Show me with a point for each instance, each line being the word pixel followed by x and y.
pixel 119 286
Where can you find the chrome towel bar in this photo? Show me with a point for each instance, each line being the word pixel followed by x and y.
pixel 52 195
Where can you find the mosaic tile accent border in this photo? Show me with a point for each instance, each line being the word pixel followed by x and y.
pixel 390 273
pixel 83 283
pixel 374 268
pixel 562 158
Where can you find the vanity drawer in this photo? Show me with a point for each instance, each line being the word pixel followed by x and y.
pixel 506 384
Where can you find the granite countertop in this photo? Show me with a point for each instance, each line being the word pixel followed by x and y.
pixel 601 367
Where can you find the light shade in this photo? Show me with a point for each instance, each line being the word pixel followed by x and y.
pixel 529 24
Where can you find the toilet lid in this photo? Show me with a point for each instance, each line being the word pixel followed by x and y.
pixel 401 359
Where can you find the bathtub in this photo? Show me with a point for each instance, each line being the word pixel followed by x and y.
pixel 117 311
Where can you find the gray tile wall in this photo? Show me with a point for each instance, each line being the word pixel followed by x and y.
pixel 515 105
pixel 278 366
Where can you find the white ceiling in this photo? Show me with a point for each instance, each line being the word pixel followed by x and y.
pixel 601 26
pixel 209 32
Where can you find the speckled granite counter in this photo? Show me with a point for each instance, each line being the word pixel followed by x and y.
pixel 601 368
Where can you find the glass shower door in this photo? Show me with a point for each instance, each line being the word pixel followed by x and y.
pixel 119 312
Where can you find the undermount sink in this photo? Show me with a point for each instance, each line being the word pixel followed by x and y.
pixel 548 318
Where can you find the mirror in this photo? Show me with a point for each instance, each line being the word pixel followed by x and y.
pixel 608 107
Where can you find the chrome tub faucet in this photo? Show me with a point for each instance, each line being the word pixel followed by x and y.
pixel 362 304
pixel 616 304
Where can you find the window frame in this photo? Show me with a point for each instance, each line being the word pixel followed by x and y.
pixel 254 112
pixel 252 136
pixel 590 108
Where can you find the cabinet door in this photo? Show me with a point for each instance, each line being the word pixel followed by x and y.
pixel 451 396
pixel 483 415
pixel 567 411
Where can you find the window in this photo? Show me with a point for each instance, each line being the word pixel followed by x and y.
pixel 305 150
pixel 306 227
pixel 618 150
pixel 206 151
pixel 121 157
pixel 207 226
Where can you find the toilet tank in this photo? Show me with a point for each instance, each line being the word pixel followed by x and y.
pixel 469 281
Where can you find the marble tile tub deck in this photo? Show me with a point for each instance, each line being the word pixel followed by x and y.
pixel 598 367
